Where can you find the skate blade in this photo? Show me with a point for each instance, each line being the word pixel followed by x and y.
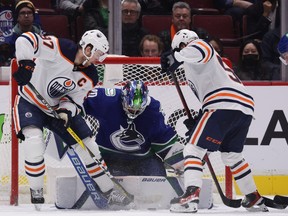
pixel 185 208
pixel 258 208
pixel 122 207
pixel 38 207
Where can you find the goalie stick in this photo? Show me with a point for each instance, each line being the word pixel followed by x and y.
pixel 94 193
pixel 227 201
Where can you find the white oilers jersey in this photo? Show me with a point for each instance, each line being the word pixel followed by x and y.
pixel 55 77
pixel 212 81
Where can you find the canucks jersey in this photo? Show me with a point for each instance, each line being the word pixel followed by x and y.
pixel 212 81
pixel 55 77
pixel 147 134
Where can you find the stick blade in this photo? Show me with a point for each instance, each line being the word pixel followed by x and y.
pixel 233 203
pixel 282 200
pixel 273 204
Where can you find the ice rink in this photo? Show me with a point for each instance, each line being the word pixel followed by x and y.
pixel 217 210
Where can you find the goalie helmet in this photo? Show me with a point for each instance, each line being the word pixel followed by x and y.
pixel 183 36
pixel 98 40
pixel 283 49
pixel 134 98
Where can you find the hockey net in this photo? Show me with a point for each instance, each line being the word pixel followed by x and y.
pixel 114 71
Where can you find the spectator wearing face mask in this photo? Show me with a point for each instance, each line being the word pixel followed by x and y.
pixel 249 66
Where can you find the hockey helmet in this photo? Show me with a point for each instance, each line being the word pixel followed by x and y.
pixel 134 98
pixel 184 36
pixel 283 48
pixel 98 40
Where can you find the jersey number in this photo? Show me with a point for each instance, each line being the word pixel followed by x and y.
pixel 47 41
pixel 229 71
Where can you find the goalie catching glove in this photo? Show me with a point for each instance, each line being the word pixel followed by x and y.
pixel 64 121
pixel 168 62
pixel 24 73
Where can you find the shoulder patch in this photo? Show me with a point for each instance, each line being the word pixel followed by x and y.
pixel 110 92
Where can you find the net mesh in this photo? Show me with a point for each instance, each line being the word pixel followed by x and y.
pixel 112 74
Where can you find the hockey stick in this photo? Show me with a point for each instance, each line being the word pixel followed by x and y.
pixel 91 187
pixel 95 194
pixel 227 201
pixel 56 115
pixel 282 200
pixel 234 203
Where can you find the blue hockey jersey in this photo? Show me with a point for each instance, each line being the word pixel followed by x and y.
pixel 146 135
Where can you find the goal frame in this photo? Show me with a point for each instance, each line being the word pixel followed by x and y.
pixel 14 194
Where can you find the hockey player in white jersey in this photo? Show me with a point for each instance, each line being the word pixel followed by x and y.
pixel 63 73
pixel 227 111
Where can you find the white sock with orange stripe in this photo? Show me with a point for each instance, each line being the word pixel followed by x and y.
pixel 34 148
pixel 193 166
pixel 241 171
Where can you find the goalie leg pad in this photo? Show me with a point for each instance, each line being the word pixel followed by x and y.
pixel 241 171
pixel 95 171
pixel 193 166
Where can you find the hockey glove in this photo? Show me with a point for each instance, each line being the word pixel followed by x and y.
pixel 190 123
pixel 64 121
pixel 24 73
pixel 168 62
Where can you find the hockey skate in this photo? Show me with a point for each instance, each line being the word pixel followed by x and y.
pixel 188 202
pixel 254 202
pixel 118 200
pixel 37 198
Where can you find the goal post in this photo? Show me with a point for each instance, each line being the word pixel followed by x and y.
pixel 113 72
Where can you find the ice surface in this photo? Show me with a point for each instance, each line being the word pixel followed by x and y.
pixel 218 210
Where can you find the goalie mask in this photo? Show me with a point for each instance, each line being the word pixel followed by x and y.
pixel 134 98
pixel 98 41
pixel 183 37
pixel 283 49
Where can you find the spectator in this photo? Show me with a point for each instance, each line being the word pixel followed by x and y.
pixel 181 19
pixel 132 32
pixel 159 7
pixel 133 137
pixel 96 15
pixel 249 66
pixel 262 17
pixel 72 8
pixel 217 44
pixel 24 16
pixel 283 49
pixel 270 60
pixel 6 26
pixel 151 46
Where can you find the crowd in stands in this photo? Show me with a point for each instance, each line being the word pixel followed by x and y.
pixel 254 22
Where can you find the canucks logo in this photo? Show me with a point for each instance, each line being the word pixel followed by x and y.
pixel 128 139
pixel 60 86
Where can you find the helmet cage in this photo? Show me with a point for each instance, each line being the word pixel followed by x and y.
pixel 134 98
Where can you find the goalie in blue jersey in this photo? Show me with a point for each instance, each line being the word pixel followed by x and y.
pixel 133 137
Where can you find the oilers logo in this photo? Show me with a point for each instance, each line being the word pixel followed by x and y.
pixel 128 139
pixel 6 24
pixel 60 86
pixel 193 88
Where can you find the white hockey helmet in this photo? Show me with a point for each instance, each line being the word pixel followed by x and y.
pixel 98 40
pixel 184 36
